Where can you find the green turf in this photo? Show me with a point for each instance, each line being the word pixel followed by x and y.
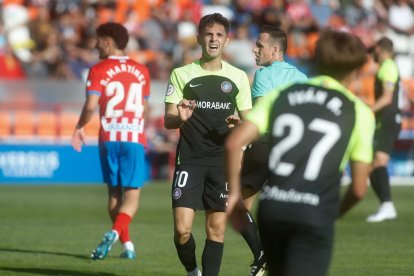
pixel 51 230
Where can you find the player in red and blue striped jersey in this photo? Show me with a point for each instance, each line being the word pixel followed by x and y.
pixel 120 87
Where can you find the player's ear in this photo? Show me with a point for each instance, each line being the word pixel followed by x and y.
pixel 275 49
pixel 226 41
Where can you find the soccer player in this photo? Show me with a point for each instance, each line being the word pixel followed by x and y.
pixel 201 100
pixel 269 52
pixel 387 105
pixel 313 129
pixel 120 87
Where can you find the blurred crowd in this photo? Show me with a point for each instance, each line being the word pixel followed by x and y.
pixel 55 38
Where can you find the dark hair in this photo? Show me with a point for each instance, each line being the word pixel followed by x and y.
pixel 115 31
pixel 339 53
pixel 214 18
pixel 277 35
pixel 386 44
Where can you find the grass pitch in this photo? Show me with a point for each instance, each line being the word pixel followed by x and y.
pixel 51 230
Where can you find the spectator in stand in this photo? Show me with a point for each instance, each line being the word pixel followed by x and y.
pixel 322 10
pixel 10 67
pixel 401 21
pixel 239 48
pixel 275 15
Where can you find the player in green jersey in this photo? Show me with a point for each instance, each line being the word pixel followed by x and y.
pixel 201 100
pixel 387 108
pixel 313 128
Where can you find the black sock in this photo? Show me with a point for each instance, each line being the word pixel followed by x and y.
pixel 251 237
pixel 380 183
pixel 212 254
pixel 186 253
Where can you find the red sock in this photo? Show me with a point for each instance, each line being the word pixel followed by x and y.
pixel 124 237
pixel 121 225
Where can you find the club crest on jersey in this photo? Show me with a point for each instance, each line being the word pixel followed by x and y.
pixel 177 193
pixel 170 90
pixel 226 86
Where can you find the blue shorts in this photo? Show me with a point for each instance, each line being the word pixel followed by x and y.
pixel 123 164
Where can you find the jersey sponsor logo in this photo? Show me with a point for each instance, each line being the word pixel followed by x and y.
pixel 213 105
pixel 195 85
pixel 129 127
pixel 224 195
pixel 177 193
pixel 291 196
pixel 170 90
pixel 226 86
pixel 88 83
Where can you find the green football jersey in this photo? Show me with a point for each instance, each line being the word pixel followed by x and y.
pixel 218 94
pixel 388 75
pixel 314 128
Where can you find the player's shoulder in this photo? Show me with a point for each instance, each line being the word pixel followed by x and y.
pixel 184 69
pixel 231 69
pixel 388 66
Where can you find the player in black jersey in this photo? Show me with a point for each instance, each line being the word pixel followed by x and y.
pixel 387 108
pixel 201 100
pixel 314 128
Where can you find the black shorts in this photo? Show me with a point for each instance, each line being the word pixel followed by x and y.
pixel 293 249
pixel 200 187
pixel 386 134
pixel 254 172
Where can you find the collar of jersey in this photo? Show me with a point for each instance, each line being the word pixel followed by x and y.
pixel 118 57
pixel 198 64
pixel 328 82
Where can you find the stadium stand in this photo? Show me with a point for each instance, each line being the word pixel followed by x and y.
pixel 5 125
pixel 47 124
pixel 24 123
pixel 44 104
pixel 66 123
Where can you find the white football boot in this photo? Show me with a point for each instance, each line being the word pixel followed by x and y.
pixel 386 211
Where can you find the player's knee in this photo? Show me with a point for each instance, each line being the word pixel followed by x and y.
pixel 216 232
pixel 182 233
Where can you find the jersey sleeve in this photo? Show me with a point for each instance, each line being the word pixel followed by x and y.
pixel 388 73
pixel 261 83
pixel 300 77
pixel 362 144
pixel 147 86
pixel 244 97
pixel 174 93
pixel 261 111
pixel 93 85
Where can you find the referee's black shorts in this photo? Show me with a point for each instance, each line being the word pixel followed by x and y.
pixel 386 134
pixel 254 172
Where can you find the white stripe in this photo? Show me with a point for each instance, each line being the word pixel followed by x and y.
pixel 135 121
pixel 112 133
pixel 124 133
